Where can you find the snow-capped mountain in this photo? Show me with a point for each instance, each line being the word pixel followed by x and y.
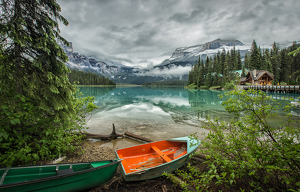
pixel 180 62
pixel 189 55
pixel 100 66
pixel 175 68
pixel 117 72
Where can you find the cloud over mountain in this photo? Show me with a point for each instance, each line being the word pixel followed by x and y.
pixel 133 31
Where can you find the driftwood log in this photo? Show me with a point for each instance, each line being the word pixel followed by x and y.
pixel 111 136
pixel 137 137
pixel 115 135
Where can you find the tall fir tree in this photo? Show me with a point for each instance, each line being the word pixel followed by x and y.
pixel 283 66
pixel 243 74
pixel 202 72
pixel 38 93
pixel 239 61
pixel 208 77
pixel 254 57
pixel 267 60
pixel 247 61
pixel 275 60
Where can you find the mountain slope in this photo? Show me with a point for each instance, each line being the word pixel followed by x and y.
pixel 176 67
pixel 189 55
pixel 99 66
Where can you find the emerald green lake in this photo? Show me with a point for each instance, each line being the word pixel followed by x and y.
pixel 160 113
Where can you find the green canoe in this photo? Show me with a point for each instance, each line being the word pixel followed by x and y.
pixel 57 177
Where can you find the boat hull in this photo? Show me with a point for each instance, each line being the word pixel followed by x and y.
pixel 77 181
pixel 156 171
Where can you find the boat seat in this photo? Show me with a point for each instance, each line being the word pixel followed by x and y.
pixel 64 171
pixel 162 155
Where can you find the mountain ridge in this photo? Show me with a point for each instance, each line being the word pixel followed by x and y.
pixel 174 68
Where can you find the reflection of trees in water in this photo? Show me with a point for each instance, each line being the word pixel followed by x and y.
pixel 207 103
pixel 183 105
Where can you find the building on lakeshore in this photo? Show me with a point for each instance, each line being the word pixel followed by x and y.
pixel 258 77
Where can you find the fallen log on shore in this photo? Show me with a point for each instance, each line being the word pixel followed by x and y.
pixel 115 135
pixel 137 137
pixel 111 136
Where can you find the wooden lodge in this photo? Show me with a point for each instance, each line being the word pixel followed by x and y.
pixel 258 77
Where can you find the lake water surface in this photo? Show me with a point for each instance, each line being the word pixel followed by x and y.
pixel 158 113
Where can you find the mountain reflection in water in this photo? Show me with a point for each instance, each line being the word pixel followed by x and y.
pixel 157 113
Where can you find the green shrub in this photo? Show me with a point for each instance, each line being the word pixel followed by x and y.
pixel 191 86
pixel 283 83
pixel 29 135
pixel 249 153
pixel 215 87
pixel 229 86
pixel 204 87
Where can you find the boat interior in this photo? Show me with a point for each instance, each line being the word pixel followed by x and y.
pixel 141 157
pixel 19 174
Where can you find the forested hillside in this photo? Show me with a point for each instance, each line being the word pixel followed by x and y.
pixel 221 69
pixel 175 83
pixel 88 78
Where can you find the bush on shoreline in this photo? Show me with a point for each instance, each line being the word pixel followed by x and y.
pixel 249 153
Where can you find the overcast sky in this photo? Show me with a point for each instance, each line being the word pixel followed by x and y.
pixel 145 32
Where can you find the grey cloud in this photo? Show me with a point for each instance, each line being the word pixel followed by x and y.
pixel 115 28
pixel 145 38
pixel 246 16
pixel 139 25
pixel 95 53
pixel 186 17
pixel 133 31
pixel 179 17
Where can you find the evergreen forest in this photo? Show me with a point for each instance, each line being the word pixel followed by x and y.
pixel 174 83
pixel 221 69
pixel 88 78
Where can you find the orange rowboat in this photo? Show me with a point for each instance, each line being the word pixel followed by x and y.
pixel 151 160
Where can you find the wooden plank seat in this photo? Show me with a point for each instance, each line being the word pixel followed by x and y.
pixel 162 155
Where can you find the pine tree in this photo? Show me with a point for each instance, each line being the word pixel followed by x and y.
pixel 275 60
pixel 243 72
pixel 260 58
pixel 254 57
pixel 247 61
pixel 239 61
pixel 267 60
pixel 283 66
pixel 222 61
pixel 233 60
pixel 206 65
pixel 263 65
pixel 295 66
pixel 39 94
pixel 202 72
pixel 226 77
pixel 208 77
